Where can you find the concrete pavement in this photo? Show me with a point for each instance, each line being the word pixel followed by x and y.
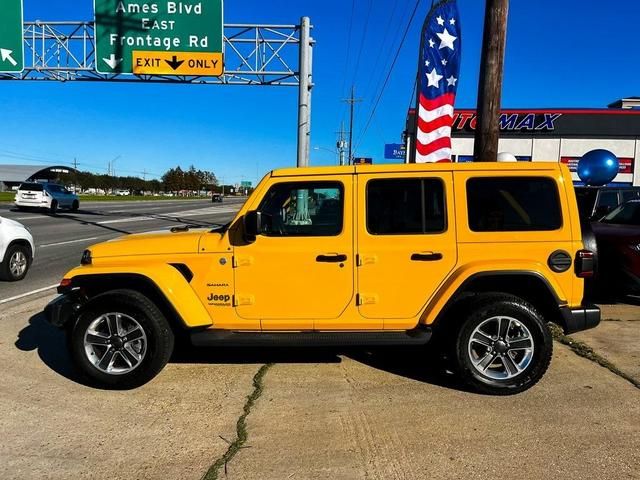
pixel 357 415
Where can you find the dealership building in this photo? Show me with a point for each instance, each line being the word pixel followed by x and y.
pixel 559 135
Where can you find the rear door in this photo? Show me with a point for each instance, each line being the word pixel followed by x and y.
pixel 406 243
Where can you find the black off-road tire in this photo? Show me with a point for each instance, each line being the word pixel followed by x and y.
pixel 75 206
pixel 53 209
pixel 5 267
pixel 159 336
pixel 501 305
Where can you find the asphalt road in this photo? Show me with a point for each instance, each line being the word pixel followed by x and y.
pixel 61 238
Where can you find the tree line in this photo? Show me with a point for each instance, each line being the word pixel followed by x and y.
pixel 174 180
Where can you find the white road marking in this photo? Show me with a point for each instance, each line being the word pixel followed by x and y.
pixel 68 242
pixel 33 217
pixel 172 215
pixel 32 292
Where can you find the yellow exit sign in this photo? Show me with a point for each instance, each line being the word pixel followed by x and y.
pixel 177 63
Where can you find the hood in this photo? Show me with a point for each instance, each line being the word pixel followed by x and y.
pixel 151 243
pixel 11 223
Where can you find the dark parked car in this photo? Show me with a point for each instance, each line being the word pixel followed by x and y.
pixel 595 202
pixel 618 238
pixel 216 198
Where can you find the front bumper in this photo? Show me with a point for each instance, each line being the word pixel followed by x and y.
pixel 61 310
pixel 578 319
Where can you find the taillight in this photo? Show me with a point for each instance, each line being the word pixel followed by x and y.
pixel 585 264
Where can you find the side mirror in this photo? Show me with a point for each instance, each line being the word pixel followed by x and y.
pixel 253 224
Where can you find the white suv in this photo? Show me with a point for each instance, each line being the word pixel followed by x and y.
pixel 46 195
pixel 16 250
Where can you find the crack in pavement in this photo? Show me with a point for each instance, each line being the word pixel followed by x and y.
pixel 584 350
pixel 241 426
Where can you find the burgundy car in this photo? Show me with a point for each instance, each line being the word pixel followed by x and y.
pixel 618 238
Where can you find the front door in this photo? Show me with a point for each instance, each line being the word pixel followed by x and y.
pixel 301 269
pixel 406 243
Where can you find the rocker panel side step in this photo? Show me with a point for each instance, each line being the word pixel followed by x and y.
pixel 208 338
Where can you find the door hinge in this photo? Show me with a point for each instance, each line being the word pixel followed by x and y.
pixel 366 298
pixel 366 259
pixel 242 261
pixel 239 300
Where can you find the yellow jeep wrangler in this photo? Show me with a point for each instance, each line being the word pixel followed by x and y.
pixel 476 256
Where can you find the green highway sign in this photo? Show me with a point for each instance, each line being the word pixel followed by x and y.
pixel 159 38
pixel 11 44
pixel 245 184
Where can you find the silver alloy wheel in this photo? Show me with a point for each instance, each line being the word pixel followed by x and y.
pixel 18 264
pixel 115 343
pixel 501 348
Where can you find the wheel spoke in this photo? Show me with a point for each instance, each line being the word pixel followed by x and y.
pixel 503 326
pixel 130 355
pixel 481 338
pixel 133 334
pixel 509 364
pixel 107 359
pixel 97 339
pixel 112 324
pixel 520 344
pixel 487 360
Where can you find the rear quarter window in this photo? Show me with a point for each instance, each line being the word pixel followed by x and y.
pixel 519 204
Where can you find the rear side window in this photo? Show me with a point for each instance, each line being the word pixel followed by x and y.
pixel 608 198
pixel 629 195
pixel 405 206
pixel 498 204
pixel 34 187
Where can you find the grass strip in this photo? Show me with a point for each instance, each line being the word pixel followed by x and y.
pixel 241 426
pixel 585 351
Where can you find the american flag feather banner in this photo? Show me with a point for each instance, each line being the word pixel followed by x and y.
pixel 438 74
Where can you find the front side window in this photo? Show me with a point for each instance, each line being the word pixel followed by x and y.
pixel 498 204
pixel 303 209
pixel 405 206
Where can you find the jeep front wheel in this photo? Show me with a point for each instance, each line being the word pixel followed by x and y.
pixel 504 346
pixel 121 340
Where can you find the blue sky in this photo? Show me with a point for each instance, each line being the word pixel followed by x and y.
pixel 567 53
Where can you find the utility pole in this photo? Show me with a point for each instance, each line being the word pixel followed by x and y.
pixel 351 101
pixel 485 147
pixel 75 175
pixel 341 144
pixel 304 92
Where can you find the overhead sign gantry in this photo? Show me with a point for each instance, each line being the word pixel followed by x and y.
pixel 11 43
pixel 159 38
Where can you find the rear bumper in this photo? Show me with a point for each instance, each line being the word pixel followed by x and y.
pixel 61 310
pixel 578 319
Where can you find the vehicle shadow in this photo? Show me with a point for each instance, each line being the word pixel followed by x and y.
pixel 51 345
pixel 413 363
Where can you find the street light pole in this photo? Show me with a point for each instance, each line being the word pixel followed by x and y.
pixel 490 85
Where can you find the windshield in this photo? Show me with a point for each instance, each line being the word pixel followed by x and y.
pixel 34 187
pixel 626 214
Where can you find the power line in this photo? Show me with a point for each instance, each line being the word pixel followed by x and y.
pixel 386 81
pixel 346 62
pixel 382 44
pixel 362 41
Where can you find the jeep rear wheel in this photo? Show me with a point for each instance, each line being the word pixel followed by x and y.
pixel 54 206
pixel 121 340
pixel 504 346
